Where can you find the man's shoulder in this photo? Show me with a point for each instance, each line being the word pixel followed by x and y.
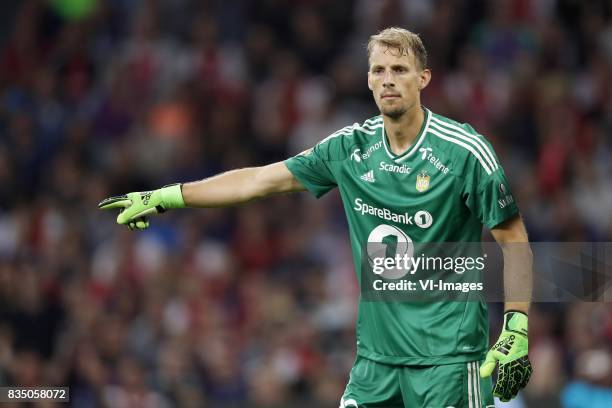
pixel 368 127
pixel 457 130
pixel 462 142
pixel 439 119
pixel 355 134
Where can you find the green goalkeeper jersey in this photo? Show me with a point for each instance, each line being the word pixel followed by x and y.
pixel 444 188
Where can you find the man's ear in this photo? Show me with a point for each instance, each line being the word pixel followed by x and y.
pixel 370 86
pixel 425 77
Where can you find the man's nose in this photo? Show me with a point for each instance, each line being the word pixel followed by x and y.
pixel 388 80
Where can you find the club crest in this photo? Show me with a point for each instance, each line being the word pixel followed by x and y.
pixel 422 181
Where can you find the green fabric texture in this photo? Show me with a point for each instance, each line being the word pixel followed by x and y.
pixel 373 384
pixel 442 189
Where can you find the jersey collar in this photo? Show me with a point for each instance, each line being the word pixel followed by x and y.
pixel 415 147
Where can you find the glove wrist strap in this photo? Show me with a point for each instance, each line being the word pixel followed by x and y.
pixel 172 196
pixel 516 321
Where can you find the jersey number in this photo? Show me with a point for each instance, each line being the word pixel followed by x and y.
pixel 387 243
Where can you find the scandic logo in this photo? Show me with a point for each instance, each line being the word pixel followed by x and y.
pixel 394 168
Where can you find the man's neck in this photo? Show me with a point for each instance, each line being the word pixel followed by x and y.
pixel 403 131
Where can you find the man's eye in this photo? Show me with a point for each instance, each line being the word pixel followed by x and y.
pixel 378 70
pixel 400 70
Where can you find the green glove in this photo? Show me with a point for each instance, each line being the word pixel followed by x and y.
pixel 511 352
pixel 134 207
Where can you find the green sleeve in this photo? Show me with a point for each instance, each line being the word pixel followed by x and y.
pixel 313 170
pixel 488 196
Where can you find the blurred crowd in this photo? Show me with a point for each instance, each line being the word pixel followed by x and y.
pixel 255 306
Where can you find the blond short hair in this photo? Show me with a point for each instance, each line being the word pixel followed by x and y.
pixel 403 40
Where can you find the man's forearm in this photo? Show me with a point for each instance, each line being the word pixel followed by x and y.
pixel 518 275
pixel 222 190
pixel 511 235
pixel 240 186
pixel 231 188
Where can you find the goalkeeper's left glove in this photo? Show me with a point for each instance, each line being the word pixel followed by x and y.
pixel 134 207
pixel 511 352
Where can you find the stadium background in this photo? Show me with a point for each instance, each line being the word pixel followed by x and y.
pixel 254 306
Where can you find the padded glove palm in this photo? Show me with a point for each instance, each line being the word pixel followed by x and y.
pixel 510 351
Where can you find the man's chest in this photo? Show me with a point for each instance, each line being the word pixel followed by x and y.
pixel 424 178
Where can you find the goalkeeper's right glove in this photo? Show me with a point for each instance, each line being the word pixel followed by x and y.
pixel 134 207
pixel 510 351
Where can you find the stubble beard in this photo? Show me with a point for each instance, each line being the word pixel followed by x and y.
pixel 393 113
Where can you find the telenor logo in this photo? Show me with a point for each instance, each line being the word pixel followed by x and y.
pixel 358 156
pixel 424 151
pixel 426 154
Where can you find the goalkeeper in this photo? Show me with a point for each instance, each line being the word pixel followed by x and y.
pixel 407 173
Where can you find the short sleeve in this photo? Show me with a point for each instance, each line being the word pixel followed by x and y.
pixel 486 192
pixel 313 170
